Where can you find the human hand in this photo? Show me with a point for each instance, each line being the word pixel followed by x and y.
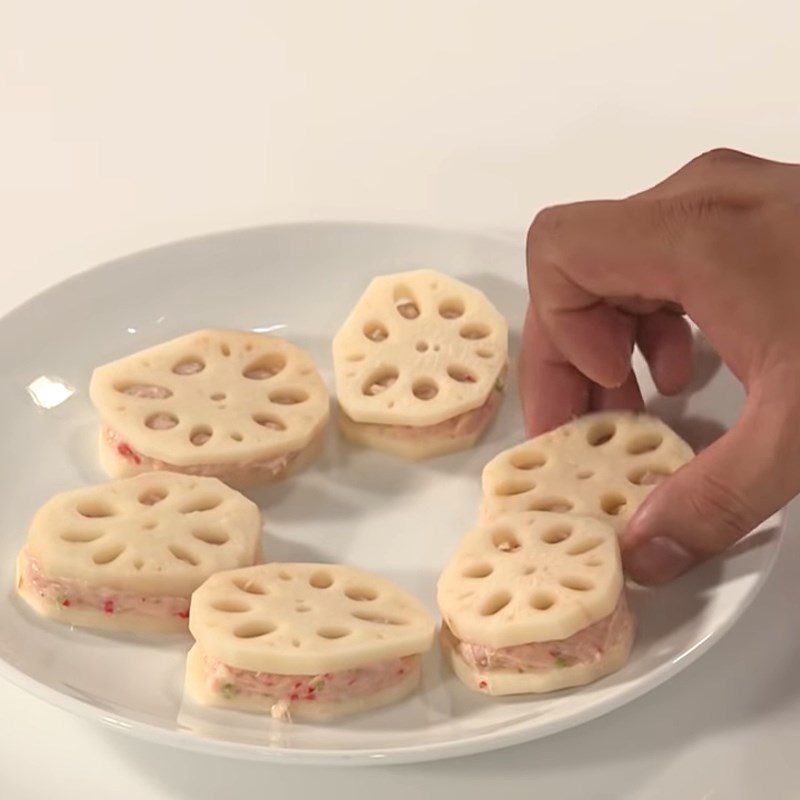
pixel 720 240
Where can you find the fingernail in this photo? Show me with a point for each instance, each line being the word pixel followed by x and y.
pixel 658 560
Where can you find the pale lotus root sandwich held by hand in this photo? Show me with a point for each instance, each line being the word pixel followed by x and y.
pixel 304 641
pixel 535 602
pixel 242 407
pixel 420 364
pixel 127 555
pixel 603 464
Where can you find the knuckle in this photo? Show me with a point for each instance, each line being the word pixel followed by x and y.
pixel 544 230
pixel 721 156
pixel 725 514
pixel 547 221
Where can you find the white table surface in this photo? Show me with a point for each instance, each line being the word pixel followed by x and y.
pixel 124 125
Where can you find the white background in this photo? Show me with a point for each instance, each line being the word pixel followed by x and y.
pixel 124 125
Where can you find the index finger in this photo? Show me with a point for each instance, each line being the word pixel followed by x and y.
pixel 552 391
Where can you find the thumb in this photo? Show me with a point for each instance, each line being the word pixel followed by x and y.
pixel 722 494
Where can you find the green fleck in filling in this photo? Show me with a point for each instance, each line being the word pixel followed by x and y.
pixel 561 662
pixel 229 691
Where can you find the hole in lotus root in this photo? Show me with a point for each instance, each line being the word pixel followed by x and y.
pixel 230 606
pixel 218 397
pixel 557 534
pixel 577 583
pixel 528 459
pixel 648 476
pixel 182 554
pixel 513 487
pixel 601 432
pixel 162 421
pixel 380 380
pixel 425 389
pixel 265 367
pixel 138 563
pixel 249 585
pixel 288 397
pixel 236 436
pixel 153 495
pixel 583 546
pixel 108 554
pixel 200 435
pixel 211 536
pixel 269 422
pixel 405 303
pixel 479 570
pixel 81 536
pixel 355 357
pixel 583 474
pixel 378 619
pixel 95 509
pixel 494 603
pixel 284 576
pixel 613 503
pixel 557 504
pixel 189 366
pixel 321 579
pixel 302 609
pixel 452 308
pixel 541 601
pixel 644 443
pixel 376 332
pixel 422 347
pixel 408 310
pixel 474 330
pixel 203 503
pixel 333 632
pixel 505 540
pixel 359 593
pixel 461 374
pixel 145 390
pixel 484 352
pixel 252 630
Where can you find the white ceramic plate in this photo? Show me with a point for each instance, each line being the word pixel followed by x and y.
pixel 396 518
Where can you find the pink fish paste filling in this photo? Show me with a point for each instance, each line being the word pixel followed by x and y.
pixel 585 647
pixel 329 687
pixel 465 424
pixel 80 595
pixel 274 466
